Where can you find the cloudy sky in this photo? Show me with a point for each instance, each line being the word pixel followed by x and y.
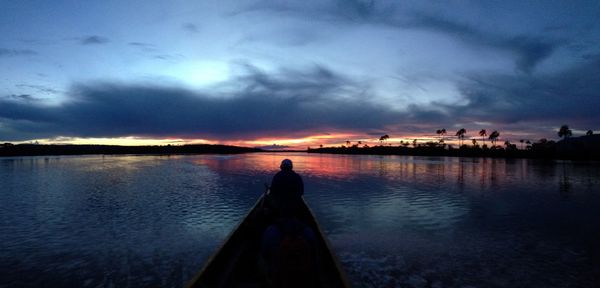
pixel 295 73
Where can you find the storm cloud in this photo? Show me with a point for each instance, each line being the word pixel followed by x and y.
pixel 572 95
pixel 293 102
pixel 263 104
pixel 528 49
pixel 313 67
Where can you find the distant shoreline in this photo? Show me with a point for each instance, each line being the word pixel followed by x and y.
pixel 554 152
pixel 575 149
pixel 9 150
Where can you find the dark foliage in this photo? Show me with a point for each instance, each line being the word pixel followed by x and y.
pixel 581 148
pixel 8 149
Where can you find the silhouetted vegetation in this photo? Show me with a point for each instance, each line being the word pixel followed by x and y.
pixel 565 132
pixel 384 138
pixel 586 147
pixel 441 133
pixel 483 133
pixel 461 135
pixel 8 149
pixel 494 137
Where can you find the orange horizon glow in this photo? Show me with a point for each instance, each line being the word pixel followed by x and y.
pixel 292 143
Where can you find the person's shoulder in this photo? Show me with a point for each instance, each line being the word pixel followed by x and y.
pixel 296 174
pixel 287 174
pixel 279 174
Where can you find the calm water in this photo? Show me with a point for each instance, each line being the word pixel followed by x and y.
pixel 94 221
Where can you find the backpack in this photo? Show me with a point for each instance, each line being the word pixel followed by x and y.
pixel 295 262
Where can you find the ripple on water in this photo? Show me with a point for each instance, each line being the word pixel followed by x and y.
pixel 395 221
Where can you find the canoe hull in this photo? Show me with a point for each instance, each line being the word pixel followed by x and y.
pixel 235 263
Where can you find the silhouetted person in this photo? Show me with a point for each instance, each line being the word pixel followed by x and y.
pixel 288 244
pixel 287 189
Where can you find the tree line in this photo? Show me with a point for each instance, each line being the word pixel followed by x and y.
pixel 543 148
pixel 461 134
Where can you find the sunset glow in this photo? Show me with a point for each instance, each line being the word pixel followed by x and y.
pixel 124 141
pixel 269 143
pixel 290 143
pixel 296 74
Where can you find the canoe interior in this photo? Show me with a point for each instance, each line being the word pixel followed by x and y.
pixel 235 264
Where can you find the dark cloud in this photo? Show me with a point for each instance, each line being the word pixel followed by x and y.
pixel 153 52
pixel 356 9
pixel 23 108
pixel 286 37
pixel 21 97
pixel 570 96
pixel 140 44
pixel 145 47
pixel 4 52
pixel 190 27
pixel 529 50
pixel 93 40
pixel 297 103
pixel 263 104
pixel 168 57
pixel 38 88
pixel 328 11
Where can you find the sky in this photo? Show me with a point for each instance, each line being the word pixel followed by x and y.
pixel 295 73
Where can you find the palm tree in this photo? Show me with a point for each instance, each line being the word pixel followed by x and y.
pixel 522 140
pixel 441 133
pixel 564 132
pixel 348 143
pixel 510 146
pixel 494 137
pixel 589 132
pixel 384 138
pixel 474 142
pixel 461 135
pixel 483 133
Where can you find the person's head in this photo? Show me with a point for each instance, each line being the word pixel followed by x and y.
pixel 286 164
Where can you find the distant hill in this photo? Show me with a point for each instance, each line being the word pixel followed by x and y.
pixel 8 149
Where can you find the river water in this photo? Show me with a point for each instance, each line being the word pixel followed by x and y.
pixel 394 221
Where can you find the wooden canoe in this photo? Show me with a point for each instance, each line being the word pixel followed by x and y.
pixel 235 263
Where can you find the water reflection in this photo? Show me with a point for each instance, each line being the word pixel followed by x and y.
pixel 396 221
